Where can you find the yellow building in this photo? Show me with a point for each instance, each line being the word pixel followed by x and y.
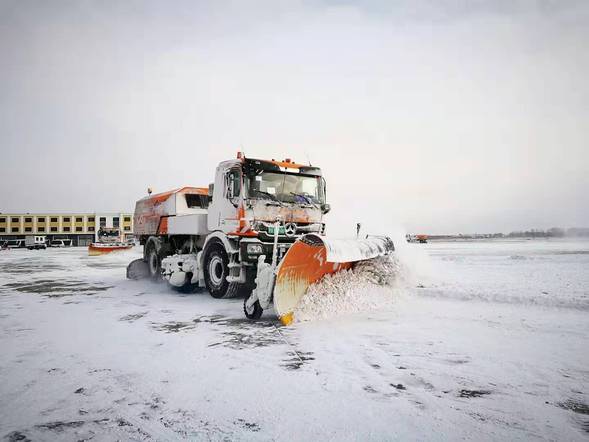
pixel 81 228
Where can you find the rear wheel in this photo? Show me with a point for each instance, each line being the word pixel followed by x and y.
pixel 153 263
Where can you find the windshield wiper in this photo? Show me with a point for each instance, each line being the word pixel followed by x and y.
pixel 273 200
pixel 302 195
pixel 272 197
pixel 306 197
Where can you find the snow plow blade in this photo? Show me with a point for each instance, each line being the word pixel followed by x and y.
pixel 311 258
pixel 137 269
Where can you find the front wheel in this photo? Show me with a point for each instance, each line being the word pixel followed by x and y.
pixel 253 312
pixel 216 270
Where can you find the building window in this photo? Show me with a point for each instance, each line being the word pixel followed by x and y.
pixel 79 229
pixel 41 229
pixel 127 228
pixel 79 219
pixel 15 220
pixel 2 229
pixel 54 219
pixel 14 229
pixel 28 229
pixel 115 221
pixel 91 229
pixel 28 220
pixel 2 220
pixel 102 221
pixel 41 219
pixel 66 229
pixel 54 229
pixel 66 219
pixel 90 219
pixel 127 219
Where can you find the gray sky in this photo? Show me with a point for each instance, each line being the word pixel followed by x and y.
pixel 437 116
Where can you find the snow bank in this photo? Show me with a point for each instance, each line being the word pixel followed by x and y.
pixel 367 286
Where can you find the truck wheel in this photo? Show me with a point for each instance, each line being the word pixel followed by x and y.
pixel 153 263
pixel 254 312
pixel 216 270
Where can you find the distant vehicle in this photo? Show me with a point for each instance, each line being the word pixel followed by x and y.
pixel 61 243
pixel 15 244
pixel 421 238
pixel 416 238
pixel 35 242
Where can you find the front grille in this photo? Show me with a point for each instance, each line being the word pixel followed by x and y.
pixel 265 231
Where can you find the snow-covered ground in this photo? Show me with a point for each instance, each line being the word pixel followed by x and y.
pixel 480 340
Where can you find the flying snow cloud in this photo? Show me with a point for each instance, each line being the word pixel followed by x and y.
pixel 435 117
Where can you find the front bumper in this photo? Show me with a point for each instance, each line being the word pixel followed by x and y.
pixel 267 249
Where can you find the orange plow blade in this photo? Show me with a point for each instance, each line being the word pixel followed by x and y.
pixel 311 258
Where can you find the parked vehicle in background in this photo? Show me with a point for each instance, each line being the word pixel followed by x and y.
pixel 60 243
pixel 15 244
pixel 35 242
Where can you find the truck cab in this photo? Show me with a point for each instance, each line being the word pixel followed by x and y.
pixel 249 196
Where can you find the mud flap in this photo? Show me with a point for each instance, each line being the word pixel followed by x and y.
pixel 137 269
pixel 311 258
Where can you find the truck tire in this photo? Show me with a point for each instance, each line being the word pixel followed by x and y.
pixel 154 263
pixel 216 270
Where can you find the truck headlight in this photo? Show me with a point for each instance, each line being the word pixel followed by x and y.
pixel 255 249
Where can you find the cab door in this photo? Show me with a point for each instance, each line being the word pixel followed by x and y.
pixel 227 198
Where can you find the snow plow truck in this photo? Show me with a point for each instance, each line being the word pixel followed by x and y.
pixel 257 232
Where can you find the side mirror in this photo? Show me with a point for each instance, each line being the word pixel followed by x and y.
pixel 211 188
pixel 325 208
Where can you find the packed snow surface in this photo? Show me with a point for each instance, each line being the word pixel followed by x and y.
pixel 481 341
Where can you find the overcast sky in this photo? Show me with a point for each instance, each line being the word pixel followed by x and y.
pixel 436 116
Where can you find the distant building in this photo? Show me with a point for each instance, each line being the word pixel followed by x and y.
pixel 81 228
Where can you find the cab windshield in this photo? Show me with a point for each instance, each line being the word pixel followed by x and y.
pixel 285 187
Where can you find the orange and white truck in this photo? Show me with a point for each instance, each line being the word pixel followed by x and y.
pixel 257 231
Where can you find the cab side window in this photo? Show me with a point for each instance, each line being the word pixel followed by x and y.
pixel 233 184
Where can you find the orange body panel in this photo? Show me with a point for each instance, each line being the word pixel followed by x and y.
pixel 163 227
pixel 160 197
pixel 150 212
